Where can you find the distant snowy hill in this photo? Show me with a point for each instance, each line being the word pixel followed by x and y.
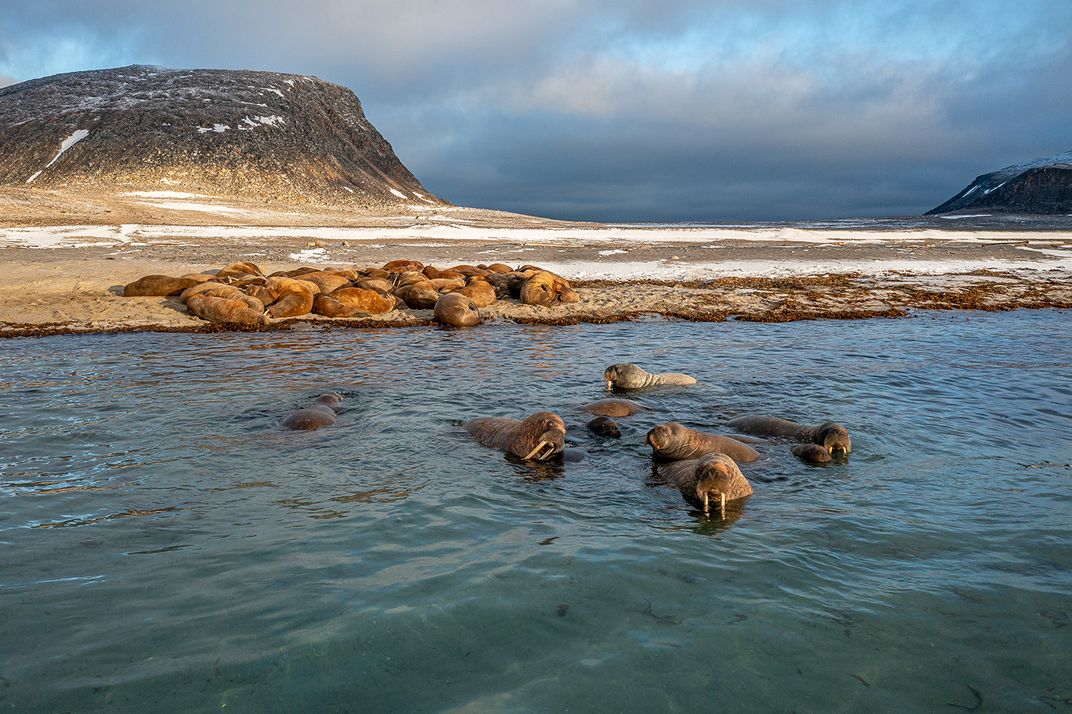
pixel 259 135
pixel 1042 186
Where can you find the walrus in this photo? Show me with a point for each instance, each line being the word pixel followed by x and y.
pixel 629 376
pixel 547 289
pixel 604 427
pixel 711 479
pixel 158 286
pixel 480 291
pixel 377 284
pixel 419 296
pixel 225 310
pixel 286 297
pixel 448 283
pixel 321 413
pixel 614 407
pixel 212 289
pixel 345 302
pixel 235 270
pixel 402 266
pixel 499 268
pixel 811 454
pixel 829 435
pixel 538 437
pixel 456 310
pixel 328 282
pixel 678 442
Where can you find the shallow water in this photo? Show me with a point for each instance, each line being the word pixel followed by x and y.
pixel 164 547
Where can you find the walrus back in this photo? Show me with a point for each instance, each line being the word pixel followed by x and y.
pixel 497 432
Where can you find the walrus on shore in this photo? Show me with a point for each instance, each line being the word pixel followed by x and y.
pixel 456 310
pixel 286 297
pixel 345 302
pixel 402 266
pixel 678 442
pixel 235 270
pixel 321 413
pixel 547 289
pixel 538 437
pixel 418 296
pixel 220 290
pixel 614 407
pixel 811 454
pixel 158 286
pixel 604 426
pixel 829 435
pixel 480 291
pixel 225 310
pixel 629 376
pixel 713 479
pixel 328 282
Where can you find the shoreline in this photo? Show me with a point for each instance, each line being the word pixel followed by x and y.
pixel 68 279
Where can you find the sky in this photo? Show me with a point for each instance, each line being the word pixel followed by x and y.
pixel 675 110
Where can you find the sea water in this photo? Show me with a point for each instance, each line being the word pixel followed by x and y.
pixel 165 546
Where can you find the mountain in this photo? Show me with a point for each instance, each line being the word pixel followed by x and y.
pixel 258 135
pixel 1042 186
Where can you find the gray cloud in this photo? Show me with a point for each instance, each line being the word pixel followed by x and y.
pixel 597 109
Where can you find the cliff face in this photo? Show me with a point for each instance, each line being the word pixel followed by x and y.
pixel 258 135
pixel 1043 186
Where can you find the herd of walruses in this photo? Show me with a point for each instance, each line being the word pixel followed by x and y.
pixel 241 295
pixel 702 466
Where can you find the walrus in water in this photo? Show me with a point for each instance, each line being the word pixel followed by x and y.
pixel 832 437
pixel 711 479
pixel 811 454
pixel 226 310
pixel 456 310
pixel 678 442
pixel 614 407
pixel 604 426
pixel 538 437
pixel 158 286
pixel 629 376
pixel 321 413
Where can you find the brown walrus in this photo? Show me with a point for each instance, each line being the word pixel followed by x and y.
pixel 456 310
pixel 224 291
pixel 328 282
pixel 158 286
pixel 811 454
pixel 225 310
pixel 678 442
pixel 829 435
pixel 321 413
pixel 713 479
pixel 547 289
pixel 402 266
pixel 345 302
pixel 286 297
pixel 614 407
pixel 480 291
pixel 538 437
pixel 418 296
pixel 235 270
pixel 604 427
pixel 629 376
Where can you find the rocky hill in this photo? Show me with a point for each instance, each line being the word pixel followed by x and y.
pixel 258 135
pixel 1043 186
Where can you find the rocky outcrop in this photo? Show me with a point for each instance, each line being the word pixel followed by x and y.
pixel 259 135
pixel 1043 186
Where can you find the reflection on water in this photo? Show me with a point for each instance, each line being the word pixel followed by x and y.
pixel 166 547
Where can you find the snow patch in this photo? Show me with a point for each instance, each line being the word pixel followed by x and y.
pixel 199 207
pixel 613 251
pixel 311 255
pixel 399 194
pixel 972 190
pixel 67 143
pixel 991 190
pixel 164 194
pixel 420 197
pixel 217 128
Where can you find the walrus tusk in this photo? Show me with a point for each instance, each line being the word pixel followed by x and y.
pixel 610 384
pixel 706 506
pixel 539 447
pixel 722 504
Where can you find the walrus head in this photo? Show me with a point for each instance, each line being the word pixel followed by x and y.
pixel 661 437
pixel 620 375
pixel 715 477
pixel 548 435
pixel 604 426
pixel 331 400
pixel 834 438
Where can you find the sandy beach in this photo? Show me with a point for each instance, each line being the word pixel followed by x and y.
pixel 68 277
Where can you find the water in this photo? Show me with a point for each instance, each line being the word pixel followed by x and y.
pixel 163 547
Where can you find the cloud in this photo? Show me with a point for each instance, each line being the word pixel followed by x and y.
pixel 5 80
pixel 632 109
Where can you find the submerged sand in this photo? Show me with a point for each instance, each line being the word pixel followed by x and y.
pixel 68 278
